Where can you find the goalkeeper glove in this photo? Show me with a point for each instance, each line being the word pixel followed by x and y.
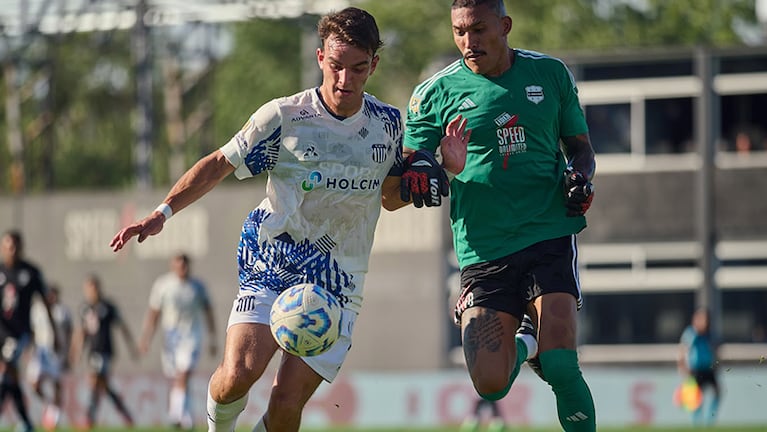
pixel 579 192
pixel 424 180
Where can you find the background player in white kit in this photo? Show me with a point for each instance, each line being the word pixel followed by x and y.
pixel 333 155
pixel 50 361
pixel 181 303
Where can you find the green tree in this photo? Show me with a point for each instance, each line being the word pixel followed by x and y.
pixel 262 65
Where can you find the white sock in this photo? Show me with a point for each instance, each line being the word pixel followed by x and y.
pixel 260 426
pixel 176 404
pixel 222 417
pixel 186 413
pixel 530 343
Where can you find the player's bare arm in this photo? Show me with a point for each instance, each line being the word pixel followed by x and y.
pixel 580 154
pixel 196 182
pixel 390 196
pixel 149 328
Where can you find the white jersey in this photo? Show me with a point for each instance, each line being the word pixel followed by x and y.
pixel 181 303
pixel 323 200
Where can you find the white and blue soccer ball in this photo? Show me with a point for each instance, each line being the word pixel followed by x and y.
pixel 305 320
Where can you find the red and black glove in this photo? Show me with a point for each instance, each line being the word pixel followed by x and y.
pixel 579 192
pixel 424 180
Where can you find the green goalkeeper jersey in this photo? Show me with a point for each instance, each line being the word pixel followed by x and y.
pixel 510 194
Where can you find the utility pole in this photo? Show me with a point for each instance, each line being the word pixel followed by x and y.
pixel 707 131
pixel 144 127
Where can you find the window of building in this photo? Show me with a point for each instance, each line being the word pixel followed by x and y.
pixel 640 318
pixel 669 125
pixel 610 127
pixel 743 126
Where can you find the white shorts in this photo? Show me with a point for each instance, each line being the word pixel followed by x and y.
pixel 254 307
pixel 180 353
pixel 44 362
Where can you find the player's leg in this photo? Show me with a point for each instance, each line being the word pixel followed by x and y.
pixel 51 371
pixel 247 351
pixel 179 358
pixel 294 384
pixel 179 398
pixel 96 385
pixel 556 279
pixel 12 349
pixel 35 373
pixel 298 378
pixel 114 396
pixel 490 350
pixel 489 309
pixel 709 380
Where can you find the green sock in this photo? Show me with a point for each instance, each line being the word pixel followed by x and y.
pixel 575 406
pixel 521 357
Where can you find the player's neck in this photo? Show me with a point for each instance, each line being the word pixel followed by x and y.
pixel 334 110
pixel 505 62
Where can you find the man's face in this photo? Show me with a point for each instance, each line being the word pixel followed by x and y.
pixel 9 249
pixel 179 267
pixel 345 70
pixel 480 34
pixel 90 292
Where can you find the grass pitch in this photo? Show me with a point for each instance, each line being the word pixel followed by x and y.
pixel 715 428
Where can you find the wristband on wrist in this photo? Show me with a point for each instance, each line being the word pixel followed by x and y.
pixel 165 210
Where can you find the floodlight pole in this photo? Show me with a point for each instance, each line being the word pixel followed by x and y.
pixel 707 131
pixel 144 127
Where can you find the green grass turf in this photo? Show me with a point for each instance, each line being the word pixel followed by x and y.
pixel 716 428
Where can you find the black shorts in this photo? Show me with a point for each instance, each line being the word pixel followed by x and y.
pixel 705 378
pixel 509 283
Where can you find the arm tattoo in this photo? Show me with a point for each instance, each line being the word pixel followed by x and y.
pixel 483 331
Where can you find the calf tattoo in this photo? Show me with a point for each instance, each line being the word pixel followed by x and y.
pixel 483 331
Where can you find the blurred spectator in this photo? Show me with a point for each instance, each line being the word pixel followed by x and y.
pixel 743 143
pixel 50 362
pixel 98 317
pixel 19 281
pixel 472 422
pixel 698 359
pixel 182 303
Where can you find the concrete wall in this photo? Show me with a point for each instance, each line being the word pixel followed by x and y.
pixel 405 309
pixel 68 236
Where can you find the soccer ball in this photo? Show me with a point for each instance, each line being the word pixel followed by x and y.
pixel 305 320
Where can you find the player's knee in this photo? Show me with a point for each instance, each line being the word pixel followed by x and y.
pixel 491 385
pixel 231 383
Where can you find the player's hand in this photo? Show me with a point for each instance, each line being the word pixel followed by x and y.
pixel 453 145
pixel 579 192
pixel 144 228
pixel 143 347
pixel 424 180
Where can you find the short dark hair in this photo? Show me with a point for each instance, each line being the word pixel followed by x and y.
pixel 496 5
pixel 353 26
pixel 183 257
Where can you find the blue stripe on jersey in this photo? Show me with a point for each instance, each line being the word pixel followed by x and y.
pixel 285 263
pixel 264 154
pixel 392 120
pixel 389 115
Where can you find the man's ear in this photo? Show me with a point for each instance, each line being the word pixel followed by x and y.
pixel 320 57
pixel 507 24
pixel 373 64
